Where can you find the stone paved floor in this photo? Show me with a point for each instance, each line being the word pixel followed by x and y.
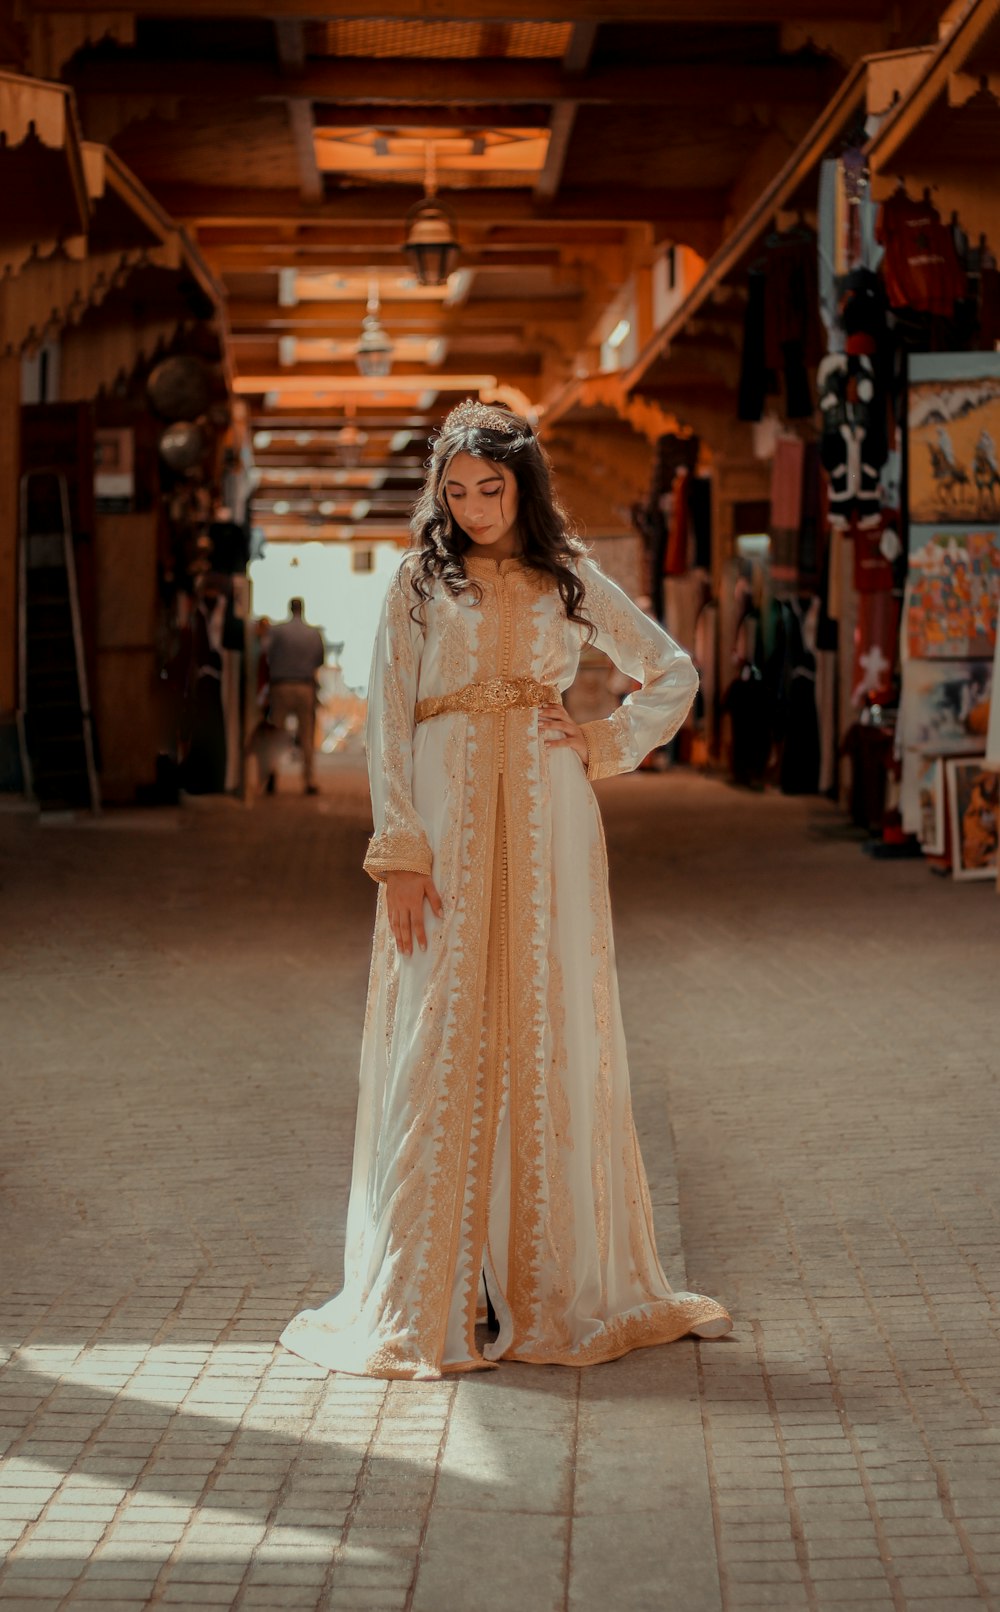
pixel 814 1048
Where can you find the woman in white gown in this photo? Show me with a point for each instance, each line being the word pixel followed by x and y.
pixel 495 1148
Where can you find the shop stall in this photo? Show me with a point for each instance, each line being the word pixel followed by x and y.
pixel 110 474
pixel 934 178
pixel 818 414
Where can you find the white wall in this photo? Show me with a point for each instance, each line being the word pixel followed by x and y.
pixel 345 604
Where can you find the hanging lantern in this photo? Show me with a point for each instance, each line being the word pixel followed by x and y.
pixel 374 350
pixel 350 442
pixel 431 243
pixel 373 354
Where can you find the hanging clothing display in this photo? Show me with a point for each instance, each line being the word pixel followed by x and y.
pixel 920 268
pixel 652 519
pixel 813 518
pixel 699 498
pixel 793 341
pixel 495 1129
pixel 790 676
pixel 787 468
pixel 675 561
pixel 854 443
pixel 755 382
pixel 782 332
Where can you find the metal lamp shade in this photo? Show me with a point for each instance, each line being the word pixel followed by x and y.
pixel 431 243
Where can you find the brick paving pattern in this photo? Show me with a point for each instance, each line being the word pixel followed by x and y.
pixel 813 1040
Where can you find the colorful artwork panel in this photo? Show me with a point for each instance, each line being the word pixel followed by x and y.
pixel 953 594
pixel 973 800
pixel 953 437
pixel 930 794
pixel 945 707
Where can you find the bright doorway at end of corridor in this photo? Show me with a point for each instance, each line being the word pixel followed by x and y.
pixel 342 586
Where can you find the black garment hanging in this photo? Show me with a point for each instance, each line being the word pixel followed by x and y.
pixel 791 675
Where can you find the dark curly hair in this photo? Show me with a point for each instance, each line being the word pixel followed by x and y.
pixel 548 542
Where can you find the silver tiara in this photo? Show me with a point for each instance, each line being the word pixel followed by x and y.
pixel 483 417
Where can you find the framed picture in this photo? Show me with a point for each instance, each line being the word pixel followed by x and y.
pixel 953 592
pixel 114 470
pixel 930 792
pixel 953 433
pixel 945 707
pixel 973 798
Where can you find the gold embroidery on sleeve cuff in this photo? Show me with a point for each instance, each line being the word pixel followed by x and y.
pixel 603 756
pixel 403 855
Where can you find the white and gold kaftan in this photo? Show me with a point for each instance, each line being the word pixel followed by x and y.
pixel 495 1126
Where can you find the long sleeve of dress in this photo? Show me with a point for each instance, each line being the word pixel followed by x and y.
pixel 642 650
pixel 400 842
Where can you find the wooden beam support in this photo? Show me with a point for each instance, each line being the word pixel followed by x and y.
pixel 478 239
pixel 609 204
pixel 480 115
pixel 612 11
pixel 290 39
pixel 266 257
pixel 518 368
pixel 318 318
pixel 291 382
pixel 373 81
pixel 575 62
pixel 300 119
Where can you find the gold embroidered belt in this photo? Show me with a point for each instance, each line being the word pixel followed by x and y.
pixel 493 694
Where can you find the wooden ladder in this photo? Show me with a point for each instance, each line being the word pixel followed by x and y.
pixel 54 723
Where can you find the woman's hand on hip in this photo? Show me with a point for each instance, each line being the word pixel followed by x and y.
pixel 558 728
pixel 405 896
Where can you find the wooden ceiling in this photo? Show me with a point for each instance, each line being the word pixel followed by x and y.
pixel 572 138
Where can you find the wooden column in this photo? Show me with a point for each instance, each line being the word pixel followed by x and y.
pixel 127 697
pixel 10 470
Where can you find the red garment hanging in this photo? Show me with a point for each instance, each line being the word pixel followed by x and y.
pixel 675 559
pixel 920 267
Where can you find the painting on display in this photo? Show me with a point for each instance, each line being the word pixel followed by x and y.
pixel 930 793
pixel 973 797
pixel 953 438
pixel 953 592
pixel 946 706
pixel 993 731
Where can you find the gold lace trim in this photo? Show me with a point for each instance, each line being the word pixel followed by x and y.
pixel 604 754
pixel 492 694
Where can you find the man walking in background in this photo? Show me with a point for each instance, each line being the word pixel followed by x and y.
pixel 295 653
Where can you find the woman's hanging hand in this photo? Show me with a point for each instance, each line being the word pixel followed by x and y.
pixel 557 727
pixel 405 897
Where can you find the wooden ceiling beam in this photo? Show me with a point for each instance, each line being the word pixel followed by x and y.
pixel 265 257
pixel 481 115
pixel 576 59
pixel 290 41
pixel 221 204
pixel 373 81
pixel 378 419
pixel 314 318
pixel 612 11
pixel 297 235
pixel 518 366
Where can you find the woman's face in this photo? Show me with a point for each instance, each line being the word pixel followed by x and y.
pixel 482 498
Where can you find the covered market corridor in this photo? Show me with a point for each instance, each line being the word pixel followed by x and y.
pixel 734 265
